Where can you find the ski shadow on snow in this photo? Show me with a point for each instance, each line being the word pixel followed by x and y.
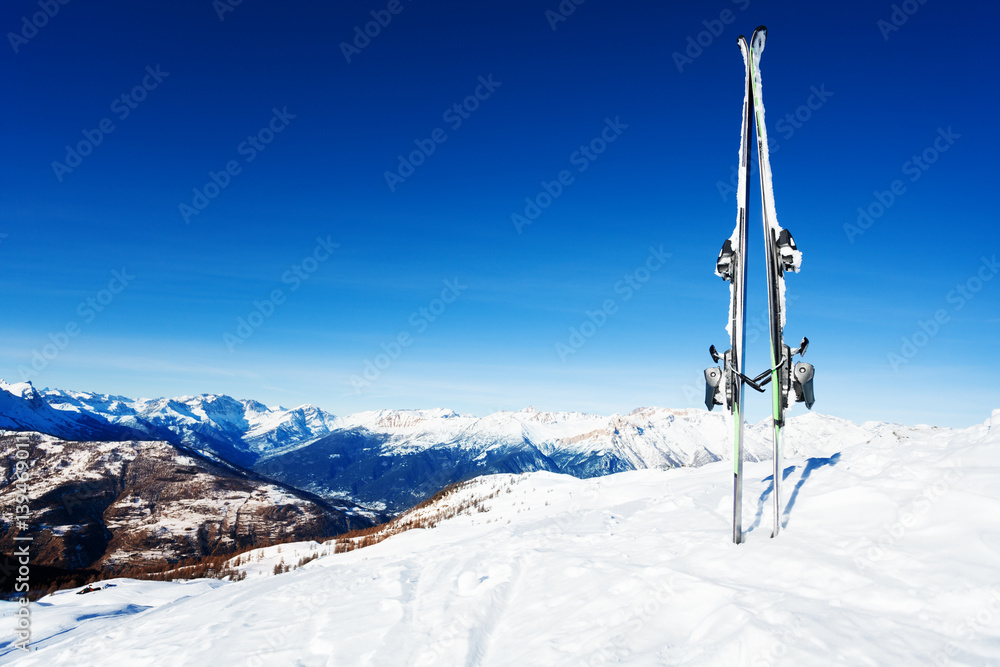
pixel 811 464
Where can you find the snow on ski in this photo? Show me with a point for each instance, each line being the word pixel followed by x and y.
pixel 781 255
pixel 775 283
pixel 731 266
pixel 788 383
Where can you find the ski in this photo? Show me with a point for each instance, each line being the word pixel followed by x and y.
pixel 781 254
pixel 724 385
pixel 731 267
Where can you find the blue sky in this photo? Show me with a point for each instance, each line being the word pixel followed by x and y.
pixel 308 215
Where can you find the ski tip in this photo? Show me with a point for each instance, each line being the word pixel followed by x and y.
pixel 761 28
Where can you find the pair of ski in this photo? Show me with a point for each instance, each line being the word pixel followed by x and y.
pixel 725 385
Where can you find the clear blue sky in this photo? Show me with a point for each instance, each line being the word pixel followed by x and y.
pixel 211 84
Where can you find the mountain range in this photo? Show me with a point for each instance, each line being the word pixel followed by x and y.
pixel 109 505
pixel 388 460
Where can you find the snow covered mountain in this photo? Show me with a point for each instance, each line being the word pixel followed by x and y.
pixel 239 431
pixel 22 408
pixel 392 459
pixel 888 556
pixel 101 505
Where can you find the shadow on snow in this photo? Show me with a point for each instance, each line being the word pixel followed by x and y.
pixel 811 464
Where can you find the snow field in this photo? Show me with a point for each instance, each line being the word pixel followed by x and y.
pixel 890 555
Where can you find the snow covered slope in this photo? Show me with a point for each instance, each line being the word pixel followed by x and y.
pixel 394 459
pixel 890 556
pixel 23 408
pixel 103 505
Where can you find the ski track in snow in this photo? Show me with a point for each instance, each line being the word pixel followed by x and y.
pixel 892 545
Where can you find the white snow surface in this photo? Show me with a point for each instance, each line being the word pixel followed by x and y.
pixel 890 555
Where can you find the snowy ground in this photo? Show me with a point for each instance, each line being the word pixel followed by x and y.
pixel 890 556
